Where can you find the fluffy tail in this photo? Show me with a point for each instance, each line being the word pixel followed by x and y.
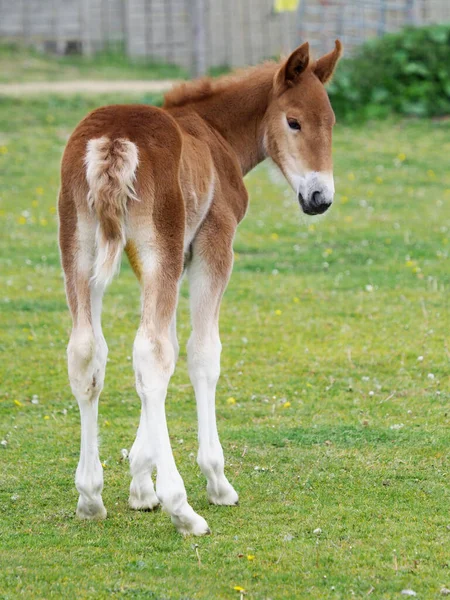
pixel 110 172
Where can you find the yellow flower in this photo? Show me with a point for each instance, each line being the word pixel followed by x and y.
pixel 311 227
pixel 43 222
pixel 344 199
pixel 39 191
pixel 370 193
pixel 46 417
pixel 3 150
pixel 431 174
pixel 238 588
pixel 351 177
pixel 278 312
pixel 104 465
pixel 107 423
pixel 378 179
pixel 327 252
pixel 401 157
pixel 30 338
pixel 236 256
pixel 52 210
pixel 35 204
pixel 296 300
pixel 250 557
pixel 18 403
pixel 274 236
pixel 21 220
pixel 231 400
pixel 309 384
pixel 286 404
pixel 348 219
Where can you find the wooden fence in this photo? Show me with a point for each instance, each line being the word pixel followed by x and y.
pixel 222 33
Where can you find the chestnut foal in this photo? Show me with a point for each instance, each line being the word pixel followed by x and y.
pixel 167 186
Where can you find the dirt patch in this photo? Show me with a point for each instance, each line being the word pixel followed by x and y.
pixel 85 87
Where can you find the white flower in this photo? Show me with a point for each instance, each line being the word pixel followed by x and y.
pixel 124 453
pixel 4 443
pixel 317 531
pixel 430 376
pixel 397 426
pixel 420 358
pixel 409 593
pixel 369 288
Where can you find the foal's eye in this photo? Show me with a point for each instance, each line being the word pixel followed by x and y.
pixel 294 124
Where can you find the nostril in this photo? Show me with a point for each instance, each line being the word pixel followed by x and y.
pixel 316 198
pixel 319 203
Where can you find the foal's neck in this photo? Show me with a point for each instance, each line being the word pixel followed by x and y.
pixel 237 111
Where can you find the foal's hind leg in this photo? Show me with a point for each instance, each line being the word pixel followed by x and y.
pixel 87 352
pixel 154 363
pixel 208 276
pixel 142 491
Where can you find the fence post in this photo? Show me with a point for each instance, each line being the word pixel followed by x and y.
pixel 198 9
pixel 381 29
pixel 412 16
pixel 85 22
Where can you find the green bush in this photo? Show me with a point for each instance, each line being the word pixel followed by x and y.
pixel 406 73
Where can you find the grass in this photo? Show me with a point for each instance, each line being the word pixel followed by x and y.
pixel 22 64
pixel 335 338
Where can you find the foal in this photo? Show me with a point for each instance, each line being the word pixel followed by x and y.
pixel 166 185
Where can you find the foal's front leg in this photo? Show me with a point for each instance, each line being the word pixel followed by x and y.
pixel 208 276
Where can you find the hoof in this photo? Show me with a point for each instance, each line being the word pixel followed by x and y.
pixel 144 504
pixel 143 498
pixel 91 510
pixel 191 523
pixel 225 496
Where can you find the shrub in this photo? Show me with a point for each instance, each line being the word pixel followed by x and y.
pixel 406 73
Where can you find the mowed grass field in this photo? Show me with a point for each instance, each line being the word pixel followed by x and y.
pixel 333 405
pixel 20 64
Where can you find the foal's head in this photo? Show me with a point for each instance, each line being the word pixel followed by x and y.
pixel 298 127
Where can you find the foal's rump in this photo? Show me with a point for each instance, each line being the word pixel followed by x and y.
pixel 109 172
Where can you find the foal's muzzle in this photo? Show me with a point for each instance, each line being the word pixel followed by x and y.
pixel 317 203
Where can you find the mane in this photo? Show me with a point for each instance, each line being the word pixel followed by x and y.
pixel 205 87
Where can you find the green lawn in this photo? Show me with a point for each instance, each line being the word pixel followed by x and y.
pixel 336 353
pixel 20 64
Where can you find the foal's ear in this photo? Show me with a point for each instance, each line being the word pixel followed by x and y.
pixel 290 71
pixel 325 66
